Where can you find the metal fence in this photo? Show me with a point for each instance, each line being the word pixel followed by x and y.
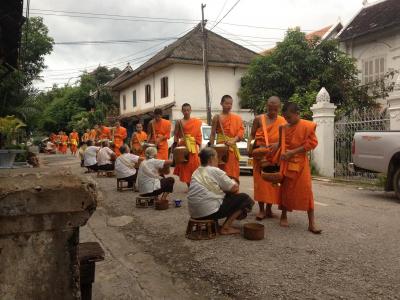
pixel 344 133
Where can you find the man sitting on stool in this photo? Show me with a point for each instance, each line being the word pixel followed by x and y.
pixel 125 166
pixel 105 157
pixel 213 195
pixel 149 181
pixel 89 156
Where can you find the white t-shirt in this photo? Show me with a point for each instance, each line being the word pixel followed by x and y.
pixel 206 196
pixel 125 165
pixel 148 179
pixel 89 157
pixel 104 156
pixel 49 146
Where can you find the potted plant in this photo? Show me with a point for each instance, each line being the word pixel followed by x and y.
pixel 10 127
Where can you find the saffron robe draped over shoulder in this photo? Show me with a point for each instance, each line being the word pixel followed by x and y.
pixel 104 133
pixel 136 142
pixel 120 135
pixel 296 189
pixel 64 143
pixel 93 135
pixel 192 140
pixel 162 128
pixel 233 126
pixel 264 191
pixel 74 141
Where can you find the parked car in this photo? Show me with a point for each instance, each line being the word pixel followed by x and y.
pixel 378 151
pixel 246 163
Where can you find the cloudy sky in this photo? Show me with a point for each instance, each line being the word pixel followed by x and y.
pixel 150 25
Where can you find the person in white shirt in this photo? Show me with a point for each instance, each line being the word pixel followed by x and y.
pixel 125 165
pixel 105 157
pixel 213 195
pixel 89 156
pixel 50 148
pixel 149 181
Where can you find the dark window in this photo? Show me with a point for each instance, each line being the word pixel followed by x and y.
pixel 124 102
pixel 148 93
pixel 164 87
pixel 134 98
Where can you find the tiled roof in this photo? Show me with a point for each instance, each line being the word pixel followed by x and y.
pixel 319 33
pixel 372 18
pixel 189 48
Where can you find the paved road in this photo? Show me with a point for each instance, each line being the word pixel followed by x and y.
pixel 356 257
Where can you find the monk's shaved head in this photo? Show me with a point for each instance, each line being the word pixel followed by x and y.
pixel 274 99
pixel 291 107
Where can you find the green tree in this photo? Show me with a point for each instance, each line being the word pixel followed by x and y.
pixel 16 88
pixel 298 68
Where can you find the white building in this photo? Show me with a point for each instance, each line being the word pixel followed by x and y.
pixel 372 37
pixel 175 75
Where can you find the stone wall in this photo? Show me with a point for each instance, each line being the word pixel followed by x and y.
pixel 40 215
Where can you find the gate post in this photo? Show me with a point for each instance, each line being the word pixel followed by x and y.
pixel 394 106
pixel 324 115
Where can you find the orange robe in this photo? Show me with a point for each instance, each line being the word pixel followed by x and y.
pixel 296 189
pixel 93 135
pixel 192 127
pixel 233 126
pixel 53 138
pixel 74 140
pixel 162 128
pixel 120 135
pixel 58 142
pixel 136 143
pixel 64 144
pixel 104 133
pixel 264 191
pixel 86 137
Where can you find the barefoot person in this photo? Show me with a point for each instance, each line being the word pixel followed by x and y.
pixel 73 141
pixel 159 132
pixel 231 132
pixel 190 128
pixel 137 140
pixel 64 142
pixel 265 132
pixel 296 192
pixel 149 181
pixel 213 195
pixel 120 135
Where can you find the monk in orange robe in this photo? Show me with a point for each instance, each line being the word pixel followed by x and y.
pixel 190 128
pixel 93 133
pixel 64 143
pixel 58 141
pixel 298 137
pixel 104 133
pixel 159 132
pixel 232 131
pixel 86 136
pixel 53 138
pixel 265 132
pixel 120 135
pixel 137 140
pixel 73 141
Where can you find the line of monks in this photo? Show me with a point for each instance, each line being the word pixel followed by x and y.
pixel 287 138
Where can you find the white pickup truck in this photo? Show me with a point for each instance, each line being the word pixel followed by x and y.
pixel 379 151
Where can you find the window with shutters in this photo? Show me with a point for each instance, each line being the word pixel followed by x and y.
pixel 373 69
pixel 148 93
pixel 164 87
pixel 124 102
pixel 134 98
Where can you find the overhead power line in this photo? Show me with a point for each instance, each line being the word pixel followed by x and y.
pixel 89 15
pixel 115 41
pixel 233 6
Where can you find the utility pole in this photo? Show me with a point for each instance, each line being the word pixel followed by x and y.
pixel 205 64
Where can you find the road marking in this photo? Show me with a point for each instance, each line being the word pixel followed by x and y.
pixel 320 203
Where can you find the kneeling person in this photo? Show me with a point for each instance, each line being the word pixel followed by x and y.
pixel 150 183
pixel 125 166
pixel 106 157
pixel 213 195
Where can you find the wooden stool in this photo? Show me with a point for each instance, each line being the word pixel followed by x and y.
pixel 103 173
pixel 89 254
pixel 201 229
pixel 144 202
pixel 121 185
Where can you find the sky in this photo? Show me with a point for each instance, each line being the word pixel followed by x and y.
pixel 123 20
